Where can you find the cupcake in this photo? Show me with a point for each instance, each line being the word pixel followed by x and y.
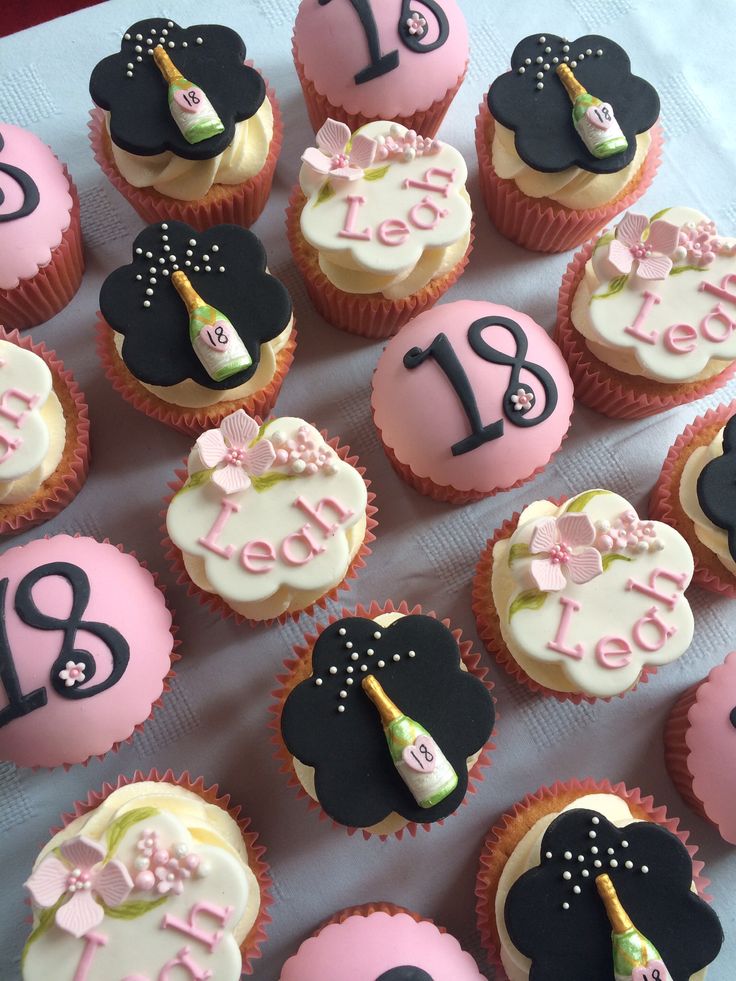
pixel 41 260
pixel 380 942
pixel 79 695
pixel 384 719
pixel 156 877
pixel 362 61
pixel 585 881
pixel 645 316
pixel 567 139
pixel 380 225
pixel 183 127
pixel 268 520
pixel 491 428
pixel 699 740
pixel 695 494
pixel 195 327
pixel 44 434
pixel 584 599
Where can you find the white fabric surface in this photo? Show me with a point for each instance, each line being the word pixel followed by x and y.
pixel 215 720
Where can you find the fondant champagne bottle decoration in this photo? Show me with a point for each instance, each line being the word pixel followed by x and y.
pixel 422 765
pixel 594 120
pixel 634 957
pixel 216 342
pixel 192 111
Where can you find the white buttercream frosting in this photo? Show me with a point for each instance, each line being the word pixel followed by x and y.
pixel 713 537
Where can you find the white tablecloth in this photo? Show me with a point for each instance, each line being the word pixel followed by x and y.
pixel 215 720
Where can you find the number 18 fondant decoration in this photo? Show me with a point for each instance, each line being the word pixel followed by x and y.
pixel 85 648
pixel 471 398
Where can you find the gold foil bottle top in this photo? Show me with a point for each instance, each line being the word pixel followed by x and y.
pixel 165 65
pixel 186 291
pixel 572 85
pixel 617 915
pixel 388 711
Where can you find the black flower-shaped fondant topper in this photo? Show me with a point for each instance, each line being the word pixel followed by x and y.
pixel 556 918
pixel 329 723
pixel 532 101
pixel 717 487
pixel 226 265
pixel 131 88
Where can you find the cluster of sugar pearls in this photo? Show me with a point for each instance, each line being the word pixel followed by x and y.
pixel 699 244
pixel 166 39
pixel 405 146
pixel 628 531
pixel 303 454
pixel 162 870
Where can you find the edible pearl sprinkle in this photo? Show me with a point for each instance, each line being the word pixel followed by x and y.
pixel 611 851
pixel 349 681
pixel 568 856
pixel 542 39
pixel 343 694
pixel 548 854
pixel 585 873
pixel 629 865
pixel 613 863
pixel 539 60
pixel 595 820
pixel 354 656
pixel 318 682
pixel 333 669
pixel 540 74
pixel 591 834
pixel 522 70
pixel 412 653
pixel 598 863
pixel 340 708
pixel 377 635
pixel 567 875
pixel 645 869
pixel 381 664
pixel 370 652
pixel 594 850
pixel 350 669
pixel 349 644
pixel 624 844
pixel 577 890
pixel 397 657
pixel 540 85
pixel 364 667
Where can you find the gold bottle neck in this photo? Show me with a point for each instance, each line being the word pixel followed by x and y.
pixel 572 85
pixel 618 917
pixel 186 291
pixel 165 65
pixel 387 709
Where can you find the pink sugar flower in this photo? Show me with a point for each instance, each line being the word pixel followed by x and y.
pixel 522 400
pixel 72 673
pixel 651 252
pixel 565 546
pixel 84 879
pixel 416 24
pixel 331 156
pixel 228 450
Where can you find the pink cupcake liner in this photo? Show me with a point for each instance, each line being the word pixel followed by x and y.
pixel 296 669
pixel 239 204
pixel 677 753
pixel 665 504
pixel 540 224
pixel 602 388
pixel 61 487
pixel 319 108
pixel 38 299
pixel 497 847
pixel 193 422
pixel 251 946
pixel 367 315
pixel 216 604
pixel 489 627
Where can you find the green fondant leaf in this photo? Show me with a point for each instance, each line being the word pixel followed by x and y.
pixel 518 551
pixel 612 557
pixel 377 174
pixel 582 501
pixel 616 286
pixel 133 909
pixel 659 214
pixel 118 828
pixel 676 270
pixel 196 479
pixel 270 479
pixel 532 599
pixel 325 193
pixel 259 434
pixel 604 240
pixel 45 920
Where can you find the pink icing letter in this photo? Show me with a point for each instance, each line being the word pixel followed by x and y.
pixel 679 578
pixel 718 314
pixel 259 552
pixel 303 536
pixel 355 202
pixel 17 417
pixel 613 652
pixel 569 606
pixel 681 339
pixel 91 942
pixel 315 514
pixel 227 508
pixel 426 184
pixel 650 300
pixel 11 445
pixel 722 290
pixel 184 959
pixel 663 631
pixel 393 231
pixel 438 213
pixel 189 927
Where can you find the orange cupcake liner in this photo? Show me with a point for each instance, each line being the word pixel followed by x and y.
pixel 34 301
pixel 510 828
pixel 216 604
pixel 319 108
pixel 489 625
pixel 236 204
pixel 602 388
pixel 677 752
pixel 297 668
pixel 540 224
pixel 251 946
pixel 62 486
pixel 193 422
pixel 665 504
pixel 365 314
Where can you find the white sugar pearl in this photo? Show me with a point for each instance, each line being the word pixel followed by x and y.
pixel 138 49
pixel 146 303
pixel 565 47
pixel 585 873
pixel 629 865
pixel 333 669
pixel 340 708
pixel 350 669
pixel 377 635
pixel 192 241
pixel 199 40
pixel 588 51
pixel 521 70
pixel 139 37
pixel 599 52
pixel 577 890
pixel 598 863
pixel 364 667
pixel 381 664
pixel 205 258
pixel 581 858
pixel 540 85
pixel 167 248
pixel 595 820
pixel 540 74
pixel 539 60
pixel 149 255
pixel 222 269
pixel 184 44
pixel 645 869
pixel 548 50
pixel 139 251
pixel 396 657
pixel 594 850
pixel 591 834
pixel 349 681
pixel 318 682
pixel 370 652
pixel 180 850
pixel 566 906
pixel 555 61
pixel 573 64
pixel 613 863
pixel 542 39
pixel 611 851
pixel 545 66
pixel 349 644
pixel 548 854
pixel 412 653
pixel 126 37
pixel 141 863
pixel 343 694
pixel 139 276
pixel 567 876
pixel 624 844
pixel 567 855
pixel 149 291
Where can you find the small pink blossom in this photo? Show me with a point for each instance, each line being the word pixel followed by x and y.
pixel 84 879
pixel 699 244
pixel 416 24
pixel 627 533
pixel 303 454
pixel 564 545
pixel 522 400
pixel 650 251
pixel 72 674
pixel 331 156
pixel 406 146
pixel 228 450
pixel 162 870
